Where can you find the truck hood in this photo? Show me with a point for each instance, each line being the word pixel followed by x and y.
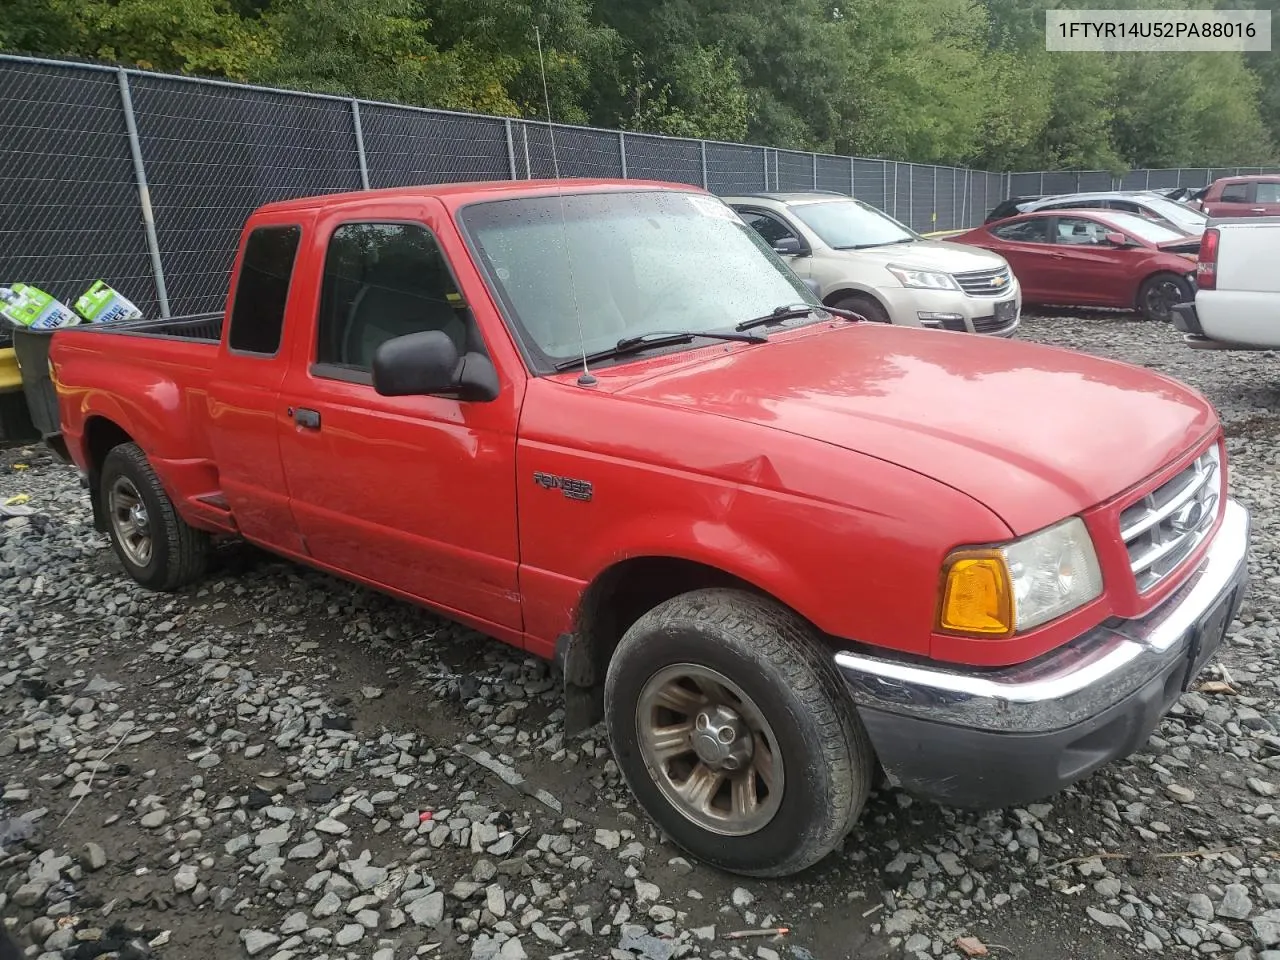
pixel 1034 433
pixel 936 255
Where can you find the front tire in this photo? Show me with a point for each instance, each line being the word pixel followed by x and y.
pixel 1159 293
pixel 866 305
pixel 156 546
pixel 736 734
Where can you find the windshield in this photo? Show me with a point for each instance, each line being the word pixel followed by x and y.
pixel 1145 229
pixel 848 224
pixel 635 263
pixel 1178 213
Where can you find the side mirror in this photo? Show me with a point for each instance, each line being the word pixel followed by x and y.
pixel 1118 240
pixel 788 247
pixel 428 364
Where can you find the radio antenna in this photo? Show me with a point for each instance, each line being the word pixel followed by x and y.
pixel 586 379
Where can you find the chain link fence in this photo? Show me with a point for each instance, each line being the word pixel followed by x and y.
pixel 145 180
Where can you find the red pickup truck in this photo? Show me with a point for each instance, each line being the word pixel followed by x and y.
pixel 1251 196
pixel 777 549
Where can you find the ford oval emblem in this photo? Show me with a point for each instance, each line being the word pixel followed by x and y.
pixel 1187 517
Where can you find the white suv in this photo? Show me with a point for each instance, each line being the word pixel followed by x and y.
pixel 863 260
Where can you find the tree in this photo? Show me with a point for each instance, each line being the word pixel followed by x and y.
pixel 378 50
pixel 698 94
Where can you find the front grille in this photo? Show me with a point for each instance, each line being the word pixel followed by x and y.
pixel 1164 527
pixel 985 283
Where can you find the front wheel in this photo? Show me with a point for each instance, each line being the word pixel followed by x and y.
pixel 1159 293
pixel 736 734
pixel 867 306
pixel 157 547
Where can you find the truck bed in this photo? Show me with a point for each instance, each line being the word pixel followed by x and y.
pixel 1243 310
pixel 203 327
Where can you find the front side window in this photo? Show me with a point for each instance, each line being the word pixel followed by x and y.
pixel 581 272
pixel 771 228
pixel 384 280
pixel 1025 231
pixel 1235 193
pixel 257 315
pixel 851 224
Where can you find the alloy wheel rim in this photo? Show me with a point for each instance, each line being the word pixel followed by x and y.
pixel 709 749
pixel 130 521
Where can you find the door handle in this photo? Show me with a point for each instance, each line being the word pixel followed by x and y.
pixel 1058 256
pixel 1259 209
pixel 309 419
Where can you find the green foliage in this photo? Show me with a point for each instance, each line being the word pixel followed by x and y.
pixel 944 81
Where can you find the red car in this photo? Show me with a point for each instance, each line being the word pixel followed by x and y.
pixel 1093 258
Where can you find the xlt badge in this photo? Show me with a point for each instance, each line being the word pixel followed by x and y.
pixel 571 488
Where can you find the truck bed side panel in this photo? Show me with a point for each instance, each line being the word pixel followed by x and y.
pixel 155 391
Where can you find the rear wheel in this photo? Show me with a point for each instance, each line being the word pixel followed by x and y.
pixel 735 732
pixel 866 305
pixel 1159 293
pixel 156 546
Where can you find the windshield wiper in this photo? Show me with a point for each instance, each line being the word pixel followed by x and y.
pixel 794 312
pixel 868 246
pixel 658 338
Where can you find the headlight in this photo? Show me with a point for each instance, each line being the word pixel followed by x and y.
pixel 999 591
pixel 923 279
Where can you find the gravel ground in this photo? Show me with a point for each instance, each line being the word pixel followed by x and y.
pixel 281 765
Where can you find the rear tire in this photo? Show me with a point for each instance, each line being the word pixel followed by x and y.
pixel 866 305
pixel 731 674
pixel 1159 292
pixel 156 546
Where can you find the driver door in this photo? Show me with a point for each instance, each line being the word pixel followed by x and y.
pixel 415 494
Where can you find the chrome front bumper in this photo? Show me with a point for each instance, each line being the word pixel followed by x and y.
pixel 1093 700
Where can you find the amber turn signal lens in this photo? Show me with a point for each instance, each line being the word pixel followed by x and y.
pixel 977 596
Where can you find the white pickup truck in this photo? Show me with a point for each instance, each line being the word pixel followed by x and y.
pixel 1237 301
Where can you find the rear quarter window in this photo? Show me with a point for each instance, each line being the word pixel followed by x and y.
pixel 257 312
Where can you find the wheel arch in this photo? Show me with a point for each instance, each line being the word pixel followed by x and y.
pixel 847 290
pixel 101 435
pixel 614 600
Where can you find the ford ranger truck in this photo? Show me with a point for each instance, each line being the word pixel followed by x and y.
pixel 775 548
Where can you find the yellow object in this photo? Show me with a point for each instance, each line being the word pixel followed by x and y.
pixel 10 375
pixel 977 596
pixel 18 500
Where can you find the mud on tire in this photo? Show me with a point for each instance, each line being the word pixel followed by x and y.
pixel 780 671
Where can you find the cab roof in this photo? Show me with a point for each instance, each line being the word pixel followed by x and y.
pixel 455 195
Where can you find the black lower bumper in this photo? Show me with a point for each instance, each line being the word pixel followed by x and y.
pixel 988 770
pixel 989 739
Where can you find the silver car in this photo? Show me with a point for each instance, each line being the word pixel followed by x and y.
pixel 1169 213
pixel 863 260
